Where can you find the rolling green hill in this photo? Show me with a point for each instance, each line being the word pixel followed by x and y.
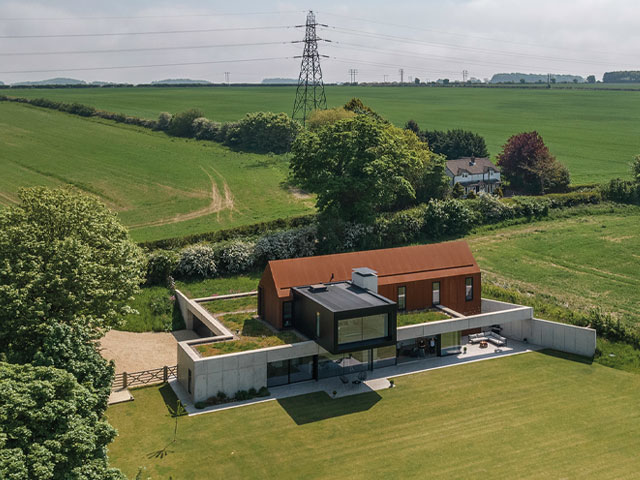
pixel 595 133
pixel 160 186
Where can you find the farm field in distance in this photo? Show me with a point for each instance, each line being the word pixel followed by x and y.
pixel 594 132
pixel 534 415
pixel 160 186
pixel 583 262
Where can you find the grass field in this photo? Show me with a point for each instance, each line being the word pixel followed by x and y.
pixel 595 133
pixel 160 186
pixel 527 416
pixel 581 262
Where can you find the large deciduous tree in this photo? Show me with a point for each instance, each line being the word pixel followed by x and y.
pixel 49 428
pixel 359 167
pixel 529 166
pixel 67 271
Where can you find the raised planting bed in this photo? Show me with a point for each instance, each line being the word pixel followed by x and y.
pixel 253 333
pixel 232 304
pixel 415 318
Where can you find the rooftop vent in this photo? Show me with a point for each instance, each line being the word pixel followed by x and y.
pixel 318 287
pixel 366 278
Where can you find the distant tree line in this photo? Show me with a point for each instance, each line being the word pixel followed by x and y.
pixel 625 76
pixel 452 144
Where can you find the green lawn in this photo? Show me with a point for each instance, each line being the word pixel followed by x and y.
pixel 232 305
pixel 595 133
pixel 160 186
pixel 220 286
pixel 420 317
pixel 581 262
pixel 253 333
pixel 527 416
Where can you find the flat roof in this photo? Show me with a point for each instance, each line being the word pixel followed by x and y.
pixel 343 296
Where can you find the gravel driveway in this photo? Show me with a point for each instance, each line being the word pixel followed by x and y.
pixel 134 352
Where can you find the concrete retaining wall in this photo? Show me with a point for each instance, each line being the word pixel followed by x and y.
pixel 558 336
pixel 190 309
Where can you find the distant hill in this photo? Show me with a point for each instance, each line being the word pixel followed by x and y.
pixel 52 81
pixel 1 83
pixel 533 78
pixel 625 76
pixel 180 81
pixel 280 80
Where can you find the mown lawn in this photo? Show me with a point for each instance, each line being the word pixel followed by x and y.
pixel 595 133
pixel 231 305
pixel 582 262
pixel 220 286
pixel 528 416
pixel 159 186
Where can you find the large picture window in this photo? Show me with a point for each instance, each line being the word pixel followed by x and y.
pixel 402 298
pixel 468 289
pixel 358 329
pixel 435 295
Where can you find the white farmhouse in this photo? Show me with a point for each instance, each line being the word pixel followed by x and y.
pixel 474 174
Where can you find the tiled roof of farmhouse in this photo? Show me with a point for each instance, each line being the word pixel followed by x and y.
pixel 473 166
pixel 393 265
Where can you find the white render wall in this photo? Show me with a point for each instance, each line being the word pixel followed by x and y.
pixel 558 336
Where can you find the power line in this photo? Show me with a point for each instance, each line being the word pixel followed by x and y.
pixel 122 67
pixel 148 16
pixel 145 49
pixel 162 32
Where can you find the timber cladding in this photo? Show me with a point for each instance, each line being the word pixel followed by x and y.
pixel 415 267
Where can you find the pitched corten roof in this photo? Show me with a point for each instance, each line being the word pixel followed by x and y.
pixel 394 265
pixel 474 166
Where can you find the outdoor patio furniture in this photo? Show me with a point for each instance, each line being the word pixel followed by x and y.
pixel 492 337
pixel 484 344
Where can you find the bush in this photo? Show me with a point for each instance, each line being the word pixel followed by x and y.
pixel 82 110
pixel 160 265
pixel 491 209
pixel 164 121
pixel 236 257
pixel 263 132
pixel 299 242
pixel 181 124
pixel 197 261
pixel 399 227
pixel 205 129
pixel 200 405
pixel 263 392
pixel 622 191
pixel 531 207
pixel 321 118
pixel 242 395
pixel 447 217
pixel 221 396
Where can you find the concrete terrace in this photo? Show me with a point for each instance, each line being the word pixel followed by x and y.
pixel 376 380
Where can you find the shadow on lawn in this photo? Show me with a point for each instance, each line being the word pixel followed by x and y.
pixel 566 356
pixel 176 410
pixel 315 407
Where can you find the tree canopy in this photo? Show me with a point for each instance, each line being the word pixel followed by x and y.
pixel 49 428
pixel 529 166
pixel 452 144
pixel 359 167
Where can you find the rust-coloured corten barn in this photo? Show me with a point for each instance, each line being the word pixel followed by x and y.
pixel 416 277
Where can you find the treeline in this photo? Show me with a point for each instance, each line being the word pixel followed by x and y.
pixel 452 144
pixel 624 76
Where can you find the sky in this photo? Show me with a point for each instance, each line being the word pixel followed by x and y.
pixel 252 39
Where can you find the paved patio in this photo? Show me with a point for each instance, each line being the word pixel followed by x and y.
pixel 376 380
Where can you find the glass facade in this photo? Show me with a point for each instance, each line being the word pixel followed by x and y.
pixel 450 343
pixel 402 298
pixel 289 371
pixel 287 314
pixel 384 356
pixel 435 299
pixel 358 329
pixel 468 289
pixel 342 364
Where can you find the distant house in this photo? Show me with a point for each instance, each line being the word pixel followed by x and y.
pixel 474 174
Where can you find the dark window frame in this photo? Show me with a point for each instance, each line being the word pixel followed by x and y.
pixel 433 284
pixel 287 323
pixel 402 308
pixel 468 297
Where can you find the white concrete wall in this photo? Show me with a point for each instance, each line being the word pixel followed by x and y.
pixel 557 336
pixel 190 308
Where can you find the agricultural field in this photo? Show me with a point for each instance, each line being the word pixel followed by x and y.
pixel 582 262
pixel 535 415
pixel 159 186
pixel 594 132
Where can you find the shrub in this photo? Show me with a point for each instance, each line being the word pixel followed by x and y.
pixel 354 235
pixel 221 396
pixel 200 405
pixel 447 217
pixel 471 195
pixel 82 110
pixel 253 392
pixel 205 129
pixel 400 227
pixel 197 261
pixel 263 392
pixel 299 242
pixel 622 191
pixel 160 265
pixel 181 124
pixel 531 207
pixel 236 257
pixel 321 118
pixel 164 121
pixel 242 395
pixel 223 133
pixel 263 132
pixel 491 209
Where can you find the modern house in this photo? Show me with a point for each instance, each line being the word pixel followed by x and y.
pixel 346 309
pixel 474 174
